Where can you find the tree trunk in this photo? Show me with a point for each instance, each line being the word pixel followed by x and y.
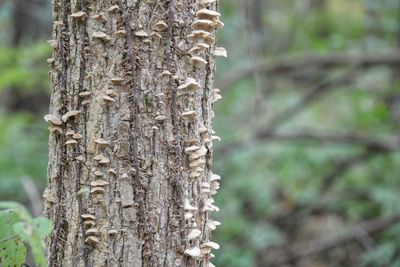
pixel 129 176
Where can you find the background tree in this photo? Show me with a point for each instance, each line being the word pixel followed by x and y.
pixel 130 181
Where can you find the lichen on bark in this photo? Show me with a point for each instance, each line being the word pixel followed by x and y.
pixel 129 175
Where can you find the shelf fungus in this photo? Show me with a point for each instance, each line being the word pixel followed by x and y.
pixel 208 205
pixel 207 14
pixel 201 35
pixel 53 119
pixel 193 252
pixel 113 8
pixel 97 173
pixel 141 33
pixel 107 99
pixel 71 142
pixel 160 118
pixel 92 231
pixel 193 234
pixel 220 51
pixel 99 182
pixel 70 114
pixel 190 115
pixel 189 86
pixel 112 232
pixel 120 33
pixel 207 246
pixel 101 159
pixel 197 61
pixel 216 95
pixel 101 36
pixel 117 80
pixel 88 216
pixel 97 190
pixel 77 136
pixel 160 26
pixel 102 142
pixel 80 15
pixel 85 94
pixel 197 162
pixel 198 48
pixel 207 2
pixel 92 240
pixel 89 223
pixel 213 225
pixel 203 25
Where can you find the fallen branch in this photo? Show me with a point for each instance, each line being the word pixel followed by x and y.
pixel 289 64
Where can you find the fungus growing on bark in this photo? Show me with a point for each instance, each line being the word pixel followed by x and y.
pixel 203 25
pixel 160 118
pixel 85 94
pixel 71 142
pixel 198 48
pixel 97 190
pixel 191 149
pixel 98 173
pixel 207 14
pixel 88 216
pixel 215 138
pixel 113 8
pixel 100 36
pixel 120 33
pixel 220 51
pixel 210 245
pixel 92 240
pixel 101 142
pixel 112 232
pixel 77 136
pixel 112 171
pixel 55 129
pixel 189 86
pixel 53 119
pixel 107 99
pixel 80 15
pixel 207 2
pixel 100 17
pixel 191 114
pixel 99 182
pixel 80 158
pixel 89 223
pixel 160 26
pixel 117 80
pixel 193 252
pixel 111 92
pixel 189 207
pixel 50 60
pixel 52 43
pixel 196 163
pixel 92 231
pixel 198 61
pixel 166 73
pixel 70 114
pixel 193 234
pixel 141 33
pixel 213 225
pixel 201 36
pixel 70 133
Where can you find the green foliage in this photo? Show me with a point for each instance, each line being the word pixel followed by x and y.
pixel 25 68
pixel 23 142
pixel 19 228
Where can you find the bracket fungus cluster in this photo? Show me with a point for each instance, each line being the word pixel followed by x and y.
pixel 203 36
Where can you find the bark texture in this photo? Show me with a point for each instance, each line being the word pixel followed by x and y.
pixel 129 176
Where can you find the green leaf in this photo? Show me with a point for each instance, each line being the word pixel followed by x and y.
pixel 42 226
pixel 12 249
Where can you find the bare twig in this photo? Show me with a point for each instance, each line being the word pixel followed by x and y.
pixel 315 247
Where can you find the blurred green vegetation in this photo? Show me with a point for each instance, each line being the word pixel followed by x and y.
pixel 264 182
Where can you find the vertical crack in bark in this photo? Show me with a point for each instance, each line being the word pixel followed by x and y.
pixel 143 225
pixel 60 229
pixel 178 168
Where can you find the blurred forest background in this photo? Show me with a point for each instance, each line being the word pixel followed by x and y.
pixel 310 123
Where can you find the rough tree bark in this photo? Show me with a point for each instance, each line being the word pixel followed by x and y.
pixel 129 176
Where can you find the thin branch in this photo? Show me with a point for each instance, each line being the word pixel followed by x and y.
pixel 315 247
pixel 292 63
